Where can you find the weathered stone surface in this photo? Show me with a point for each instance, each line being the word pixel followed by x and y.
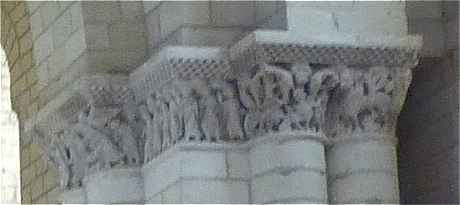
pixel 299 91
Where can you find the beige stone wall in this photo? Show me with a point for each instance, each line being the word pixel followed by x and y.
pixel 17 39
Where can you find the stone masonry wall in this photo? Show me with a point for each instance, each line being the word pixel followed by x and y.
pixel 208 23
pixel 37 182
pixel 50 44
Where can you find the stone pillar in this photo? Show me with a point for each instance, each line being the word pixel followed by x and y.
pixel 284 104
pixel 191 114
pixel 362 158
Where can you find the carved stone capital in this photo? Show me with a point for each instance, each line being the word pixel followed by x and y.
pixel 89 128
pixel 367 102
pixel 286 98
pixel 269 83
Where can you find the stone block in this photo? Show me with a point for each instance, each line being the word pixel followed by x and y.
pixel 20 85
pixel 25 43
pixel 57 63
pixel 365 188
pixel 25 63
pixel 31 76
pixel 74 46
pixel 22 26
pixel 8 5
pixel 18 12
pixel 154 200
pixel 27 175
pixel 43 46
pixel 101 11
pixel 263 158
pixel 25 157
pixel 126 35
pixel 203 164
pixel 35 152
pixel 42 73
pixel 210 36
pixel 352 18
pixel 150 5
pixel 349 157
pixel 276 21
pixel 97 36
pixel 62 29
pixel 49 11
pixel 152 21
pixel 63 5
pixel 233 13
pixel 51 178
pixel 116 60
pixel 115 186
pixel 40 167
pixel 36 24
pixel 42 199
pixel 37 187
pixel 266 9
pixel 173 194
pixel 13 54
pixel 238 164
pixel 302 153
pixel 131 9
pixel 77 16
pixel 26 195
pixel 424 9
pixel 32 6
pixel 74 196
pixel 215 192
pixel 282 188
pixel 175 14
pixel 161 173
pixel 54 196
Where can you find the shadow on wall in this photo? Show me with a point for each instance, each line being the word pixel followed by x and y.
pixel 428 126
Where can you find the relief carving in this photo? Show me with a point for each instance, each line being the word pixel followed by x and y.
pixel 286 98
pixel 363 104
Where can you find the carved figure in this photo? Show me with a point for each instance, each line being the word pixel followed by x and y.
pixel 190 112
pixel 148 133
pixel 232 113
pixel 127 141
pixel 265 95
pixel 75 145
pixel 165 117
pixel 365 102
pixel 210 123
pixel 176 115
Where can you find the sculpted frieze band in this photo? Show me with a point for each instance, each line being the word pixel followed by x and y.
pixel 126 124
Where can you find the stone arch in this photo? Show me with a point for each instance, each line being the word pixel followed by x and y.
pixel 37 185
pixel 16 40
